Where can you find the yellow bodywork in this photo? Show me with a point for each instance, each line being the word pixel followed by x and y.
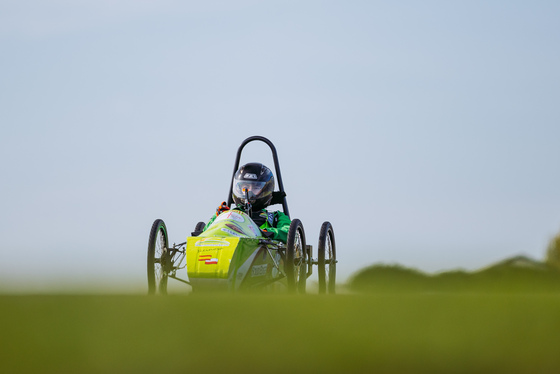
pixel 210 257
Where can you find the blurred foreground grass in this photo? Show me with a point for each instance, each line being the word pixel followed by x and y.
pixel 389 333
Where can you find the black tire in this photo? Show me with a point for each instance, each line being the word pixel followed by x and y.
pixel 158 261
pixel 327 259
pixel 199 226
pixel 198 229
pixel 295 266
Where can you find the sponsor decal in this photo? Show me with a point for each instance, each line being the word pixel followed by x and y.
pixel 208 259
pixel 235 228
pixel 232 233
pixel 259 270
pixel 237 217
pixel 230 215
pixel 254 230
pixel 211 243
pixel 250 176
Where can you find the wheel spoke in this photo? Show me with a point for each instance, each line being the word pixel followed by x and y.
pixel 327 259
pixel 296 257
pixel 157 253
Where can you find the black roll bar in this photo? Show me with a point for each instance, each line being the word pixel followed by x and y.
pixel 281 191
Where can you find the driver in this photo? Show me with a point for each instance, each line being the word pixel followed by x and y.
pixel 253 185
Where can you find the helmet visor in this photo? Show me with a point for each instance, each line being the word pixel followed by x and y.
pixel 252 189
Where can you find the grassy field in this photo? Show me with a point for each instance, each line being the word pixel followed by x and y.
pixel 358 333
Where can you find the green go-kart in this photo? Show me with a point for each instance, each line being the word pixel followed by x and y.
pixel 232 254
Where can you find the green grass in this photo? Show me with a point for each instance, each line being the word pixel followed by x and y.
pixel 363 333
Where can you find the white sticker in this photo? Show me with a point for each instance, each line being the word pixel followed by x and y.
pixel 230 215
pixel 259 270
pixel 211 243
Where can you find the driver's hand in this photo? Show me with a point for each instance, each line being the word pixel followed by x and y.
pixel 222 208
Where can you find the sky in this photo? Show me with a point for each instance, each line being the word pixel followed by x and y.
pixel 425 132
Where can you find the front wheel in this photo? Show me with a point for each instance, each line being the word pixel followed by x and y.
pixel 158 261
pixel 327 259
pixel 295 266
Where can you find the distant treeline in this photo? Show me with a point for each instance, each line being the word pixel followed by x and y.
pixel 519 275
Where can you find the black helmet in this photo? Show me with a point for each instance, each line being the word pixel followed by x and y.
pixel 254 181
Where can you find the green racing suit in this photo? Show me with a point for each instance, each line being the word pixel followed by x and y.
pixel 276 223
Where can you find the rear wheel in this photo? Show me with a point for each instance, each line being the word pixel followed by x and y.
pixel 198 229
pixel 295 266
pixel 158 259
pixel 327 259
